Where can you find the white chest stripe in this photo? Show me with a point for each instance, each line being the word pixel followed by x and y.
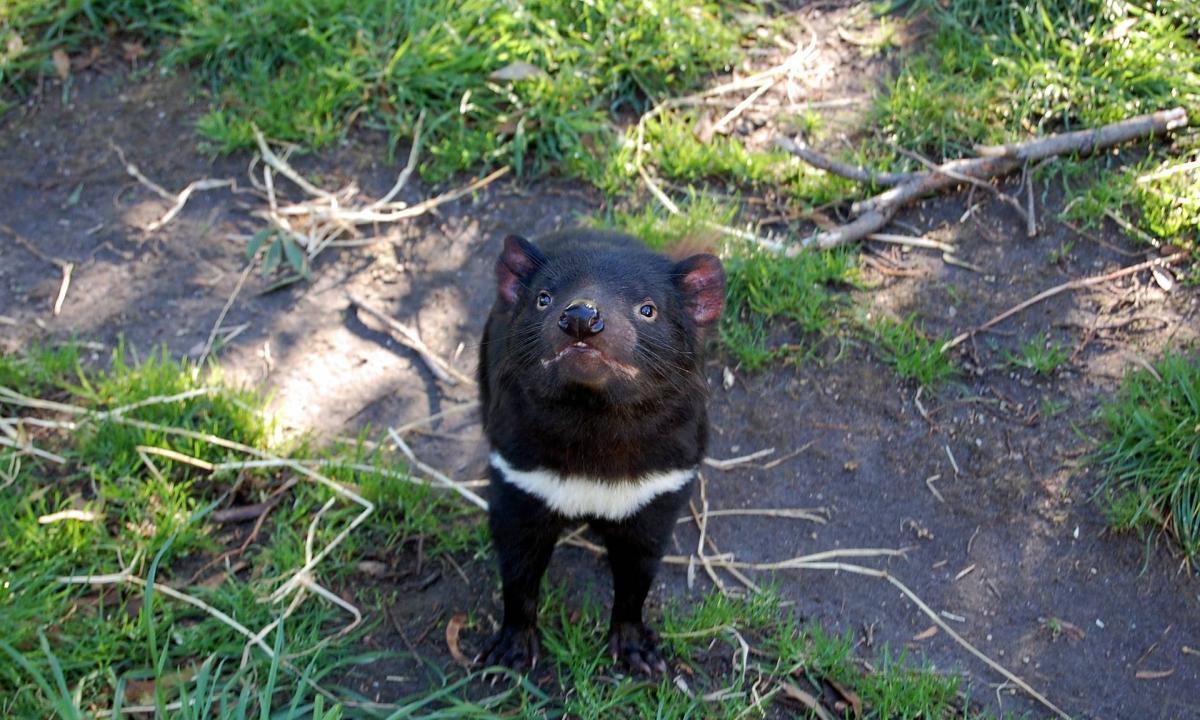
pixel 576 496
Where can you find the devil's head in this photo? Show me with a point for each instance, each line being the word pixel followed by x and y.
pixel 597 316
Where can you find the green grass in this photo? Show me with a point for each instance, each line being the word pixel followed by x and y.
pixel 1001 71
pixel 674 152
pixel 104 641
pixel 1039 354
pixel 703 636
pixel 1150 452
pixel 798 295
pixel 305 72
pixel 912 353
pixel 693 227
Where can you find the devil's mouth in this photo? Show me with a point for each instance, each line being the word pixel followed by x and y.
pixel 592 352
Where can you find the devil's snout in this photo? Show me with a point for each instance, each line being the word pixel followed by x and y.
pixel 581 319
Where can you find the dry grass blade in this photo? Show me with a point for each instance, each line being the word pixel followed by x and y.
pixel 75 515
pixel 788 513
pixel 28 448
pixel 212 335
pixel 932 615
pixel 409 167
pixel 734 462
pixel 436 474
pixel 184 195
pixel 67 268
pixel 179 199
pixel 429 419
pixel 917 242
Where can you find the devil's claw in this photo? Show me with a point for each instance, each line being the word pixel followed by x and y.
pixel 514 648
pixel 637 646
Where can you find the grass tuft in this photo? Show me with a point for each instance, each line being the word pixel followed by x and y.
pixel 769 296
pixel 1151 452
pixel 905 346
pixel 1039 354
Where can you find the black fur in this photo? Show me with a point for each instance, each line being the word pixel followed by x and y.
pixel 624 402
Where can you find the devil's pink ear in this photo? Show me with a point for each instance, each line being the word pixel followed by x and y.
pixel 702 280
pixel 517 263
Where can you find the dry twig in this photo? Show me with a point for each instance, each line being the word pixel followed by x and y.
pixel 1064 287
pixel 411 339
pixel 179 199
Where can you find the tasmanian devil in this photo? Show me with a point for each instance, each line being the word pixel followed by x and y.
pixel 593 402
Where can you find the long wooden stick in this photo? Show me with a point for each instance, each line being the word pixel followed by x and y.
pixel 873 213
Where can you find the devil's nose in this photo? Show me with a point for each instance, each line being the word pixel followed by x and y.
pixel 581 319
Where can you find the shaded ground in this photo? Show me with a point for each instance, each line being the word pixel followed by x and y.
pixel 1014 544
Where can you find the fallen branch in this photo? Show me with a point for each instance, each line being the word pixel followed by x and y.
pixel 1058 289
pixel 872 214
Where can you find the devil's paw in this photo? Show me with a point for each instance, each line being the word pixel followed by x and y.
pixel 637 646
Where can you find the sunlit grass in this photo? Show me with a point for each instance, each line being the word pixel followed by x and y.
pixel 1150 452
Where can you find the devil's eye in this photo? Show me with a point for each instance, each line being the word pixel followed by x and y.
pixel 544 300
pixel 647 310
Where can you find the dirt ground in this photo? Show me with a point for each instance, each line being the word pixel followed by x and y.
pixel 1012 541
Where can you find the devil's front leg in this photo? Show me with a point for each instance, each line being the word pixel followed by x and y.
pixel 635 549
pixel 524 532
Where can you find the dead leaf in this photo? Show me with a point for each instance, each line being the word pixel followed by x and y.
pixel 374 568
pixel 1121 29
pixel 453 629
pixel 805 699
pixel 62 63
pixel 241 513
pixel 14 47
pixel 926 634
pixel 81 62
pixel 1164 278
pixel 139 692
pixel 1072 630
pixel 704 129
pixel 849 695
pixel 519 70
pixel 132 50
pixel 1154 674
